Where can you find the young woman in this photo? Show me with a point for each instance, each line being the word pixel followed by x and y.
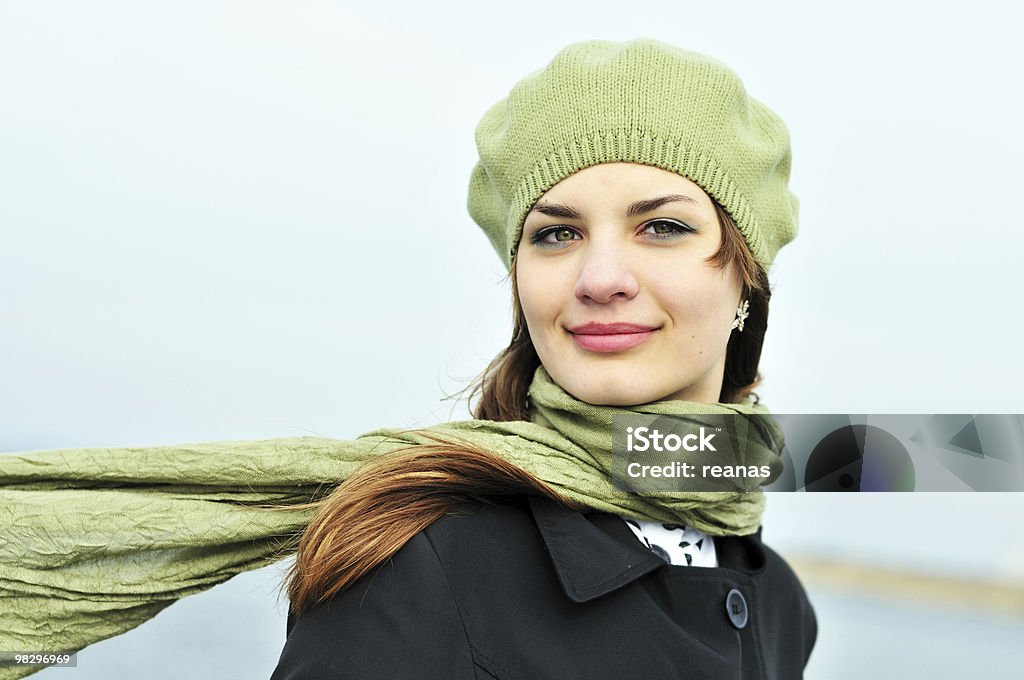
pixel 638 196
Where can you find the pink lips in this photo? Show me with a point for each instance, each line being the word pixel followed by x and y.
pixel 610 337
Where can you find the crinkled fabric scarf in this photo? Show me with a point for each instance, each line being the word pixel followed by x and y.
pixel 95 541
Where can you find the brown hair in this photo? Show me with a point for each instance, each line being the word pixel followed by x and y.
pixel 391 498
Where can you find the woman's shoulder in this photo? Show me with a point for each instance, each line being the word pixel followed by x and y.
pixel 487 540
pixel 782 573
pixel 403 619
pixel 484 523
pixel 787 605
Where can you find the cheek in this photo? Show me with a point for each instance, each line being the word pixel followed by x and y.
pixel 699 302
pixel 698 317
pixel 537 296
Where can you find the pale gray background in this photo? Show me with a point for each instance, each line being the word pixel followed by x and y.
pixel 247 220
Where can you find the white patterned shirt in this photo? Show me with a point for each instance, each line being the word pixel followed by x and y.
pixel 677 544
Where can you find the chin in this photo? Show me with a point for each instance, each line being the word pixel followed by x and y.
pixel 616 395
pixel 608 385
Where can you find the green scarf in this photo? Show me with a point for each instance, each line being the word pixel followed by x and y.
pixel 96 541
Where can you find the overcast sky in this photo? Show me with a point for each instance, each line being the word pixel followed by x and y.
pixel 248 219
pixel 242 220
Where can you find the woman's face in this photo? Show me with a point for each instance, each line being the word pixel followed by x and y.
pixel 618 243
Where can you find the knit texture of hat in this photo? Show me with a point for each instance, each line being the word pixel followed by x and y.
pixel 641 101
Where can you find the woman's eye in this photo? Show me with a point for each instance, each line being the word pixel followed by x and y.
pixel 662 230
pixel 668 229
pixel 560 234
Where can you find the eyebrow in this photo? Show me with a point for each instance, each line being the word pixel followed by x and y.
pixel 634 209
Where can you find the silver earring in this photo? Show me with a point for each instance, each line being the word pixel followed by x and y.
pixel 741 315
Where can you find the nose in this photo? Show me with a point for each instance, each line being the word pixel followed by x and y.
pixel 605 274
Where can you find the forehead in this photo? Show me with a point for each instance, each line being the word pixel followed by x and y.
pixel 620 181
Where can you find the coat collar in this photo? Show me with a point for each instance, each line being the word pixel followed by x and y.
pixel 589 559
pixel 596 553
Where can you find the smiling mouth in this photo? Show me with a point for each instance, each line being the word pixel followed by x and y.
pixel 611 342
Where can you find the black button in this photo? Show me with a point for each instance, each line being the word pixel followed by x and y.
pixel 736 608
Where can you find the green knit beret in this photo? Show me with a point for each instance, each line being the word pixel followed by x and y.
pixel 641 101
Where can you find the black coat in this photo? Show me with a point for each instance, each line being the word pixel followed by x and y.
pixel 531 590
